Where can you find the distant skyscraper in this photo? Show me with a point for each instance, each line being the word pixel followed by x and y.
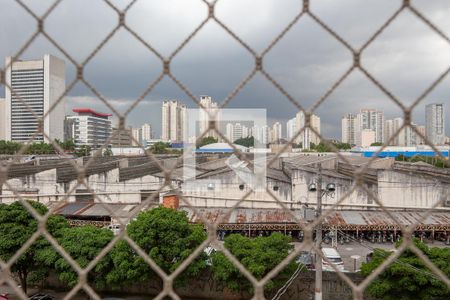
pixel 372 119
pixel 406 137
pixel 210 109
pixel 389 132
pixel 89 128
pixel 146 132
pixel 435 123
pixel 137 136
pixel 245 131
pixel 173 121
pixel 350 129
pixel 237 132
pixel 229 132
pixel 276 132
pixel 36 85
pixel 291 128
pixel 400 139
pixel 2 118
pixel 264 135
pixel 307 136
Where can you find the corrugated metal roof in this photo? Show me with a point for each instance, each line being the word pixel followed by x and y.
pixel 91 209
pixel 340 219
pixel 378 218
pixel 243 215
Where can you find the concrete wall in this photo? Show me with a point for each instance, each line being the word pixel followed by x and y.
pixel 409 190
pixel 227 191
pixel 205 287
pixel 300 189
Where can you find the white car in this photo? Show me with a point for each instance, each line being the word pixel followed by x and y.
pixel 334 257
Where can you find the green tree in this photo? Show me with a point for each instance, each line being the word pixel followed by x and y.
pixel 10 148
pixel 343 146
pixel 408 277
pixel 83 151
pixel 207 140
pixel 259 256
pixel 159 148
pixel 376 144
pixel 167 237
pixel 246 142
pixel 107 152
pixel 16 226
pixel 40 148
pixel 84 244
pixel 67 146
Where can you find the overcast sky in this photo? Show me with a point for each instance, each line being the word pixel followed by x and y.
pixel 406 58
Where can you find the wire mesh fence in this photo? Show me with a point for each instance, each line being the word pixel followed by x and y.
pixel 167 172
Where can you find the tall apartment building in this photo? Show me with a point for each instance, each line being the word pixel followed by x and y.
pixel 2 117
pixel 146 132
pixel 174 121
pixel 229 132
pixel 389 132
pixel 208 111
pixel 307 136
pixel 435 123
pixel 88 128
pixel 276 132
pixel 406 137
pixel 350 129
pixel 372 119
pixel 237 132
pixel 36 85
pixel 291 128
pixel 137 136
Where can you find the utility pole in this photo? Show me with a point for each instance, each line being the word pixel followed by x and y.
pixel 318 289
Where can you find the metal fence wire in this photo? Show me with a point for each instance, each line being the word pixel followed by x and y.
pixel 259 57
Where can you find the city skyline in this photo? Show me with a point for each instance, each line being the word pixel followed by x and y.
pixel 306 62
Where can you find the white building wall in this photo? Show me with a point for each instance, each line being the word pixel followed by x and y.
pixel 2 119
pixel 227 192
pixel 398 189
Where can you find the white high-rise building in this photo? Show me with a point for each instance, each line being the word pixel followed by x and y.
pixel 372 119
pixel 291 128
pixel 367 137
pixel 400 139
pixel 36 85
pixel 245 131
pixel 389 132
pixel 350 129
pixel 88 128
pixel 254 131
pixel 2 118
pixel 208 112
pixel 237 132
pixel 435 123
pixel 137 136
pixel 146 133
pixel 264 135
pixel 307 136
pixel 229 132
pixel 276 132
pixel 174 121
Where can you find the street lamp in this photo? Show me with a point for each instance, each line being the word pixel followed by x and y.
pixel 329 190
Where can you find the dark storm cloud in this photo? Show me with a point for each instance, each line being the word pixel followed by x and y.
pixel 406 58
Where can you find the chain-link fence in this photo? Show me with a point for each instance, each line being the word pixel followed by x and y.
pixel 82 170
